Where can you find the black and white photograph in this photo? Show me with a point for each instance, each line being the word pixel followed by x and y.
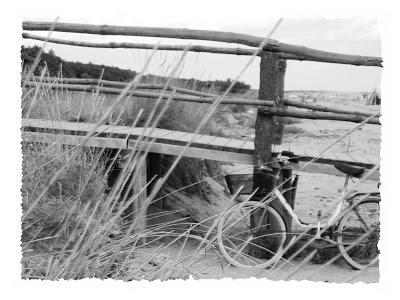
pixel 191 147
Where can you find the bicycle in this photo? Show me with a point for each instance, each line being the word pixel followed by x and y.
pixel 353 226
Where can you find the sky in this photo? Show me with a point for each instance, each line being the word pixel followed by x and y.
pixel 344 35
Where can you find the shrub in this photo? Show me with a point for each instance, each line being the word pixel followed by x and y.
pixel 71 219
pixel 79 185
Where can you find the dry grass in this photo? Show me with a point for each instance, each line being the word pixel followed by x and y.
pixel 78 230
pixel 73 229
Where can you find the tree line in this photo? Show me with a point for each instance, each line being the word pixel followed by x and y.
pixel 56 66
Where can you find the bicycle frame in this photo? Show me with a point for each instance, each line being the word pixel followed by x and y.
pixel 338 208
pixel 332 219
pixel 318 225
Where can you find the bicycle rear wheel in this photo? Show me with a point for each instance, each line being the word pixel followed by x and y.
pixel 358 234
pixel 236 237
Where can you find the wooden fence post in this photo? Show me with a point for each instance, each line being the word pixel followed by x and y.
pixel 279 101
pixel 154 169
pixel 140 211
pixel 268 131
pixel 286 175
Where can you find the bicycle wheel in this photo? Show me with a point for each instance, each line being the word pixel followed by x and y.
pixel 236 238
pixel 358 234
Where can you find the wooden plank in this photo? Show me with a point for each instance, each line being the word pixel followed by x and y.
pixel 174 136
pixel 217 155
pixel 138 131
pixel 245 142
pixel 87 127
pixel 180 136
pixel 73 140
pixel 204 140
pixel 185 138
pixel 121 144
pixel 157 133
pixel 168 134
pixel 73 126
pixel 61 125
pixel 235 143
pixel 220 142
pixel 224 156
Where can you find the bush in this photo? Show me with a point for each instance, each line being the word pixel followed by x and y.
pixel 81 184
pixel 70 221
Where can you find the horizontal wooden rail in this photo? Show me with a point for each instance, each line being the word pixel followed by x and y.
pixel 92 85
pixel 100 82
pixel 152 95
pixel 191 48
pixel 208 35
pixel 318 115
pixel 321 108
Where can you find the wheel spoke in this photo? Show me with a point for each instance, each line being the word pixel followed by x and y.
pixel 363 220
pixel 236 237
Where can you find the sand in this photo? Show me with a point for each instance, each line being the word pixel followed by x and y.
pixel 210 265
pixel 315 191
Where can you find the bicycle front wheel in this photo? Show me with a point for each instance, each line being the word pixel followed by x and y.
pixel 358 234
pixel 239 237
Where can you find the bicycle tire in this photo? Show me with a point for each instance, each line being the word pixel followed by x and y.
pixel 359 256
pixel 241 259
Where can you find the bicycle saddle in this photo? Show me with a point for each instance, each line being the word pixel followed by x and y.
pixel 353 171
pixel 291 156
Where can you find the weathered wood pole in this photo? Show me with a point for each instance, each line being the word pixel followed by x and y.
pixel 268 131
pixel 154 170
pixel 138 207
pixel 285 180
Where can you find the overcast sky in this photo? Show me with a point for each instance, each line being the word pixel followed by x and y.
pixel 351 36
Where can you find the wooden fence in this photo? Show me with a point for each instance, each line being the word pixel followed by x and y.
pixel 187 95
pixel 294 51
pixel 271 104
